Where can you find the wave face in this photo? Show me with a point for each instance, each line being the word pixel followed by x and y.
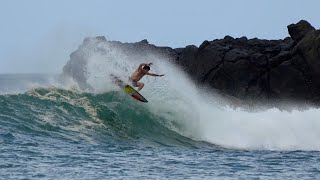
pixel 112 117
pixel 73 116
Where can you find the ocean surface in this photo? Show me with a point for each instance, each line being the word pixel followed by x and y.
pixel 52 132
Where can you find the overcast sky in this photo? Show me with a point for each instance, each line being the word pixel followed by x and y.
pixel 37 36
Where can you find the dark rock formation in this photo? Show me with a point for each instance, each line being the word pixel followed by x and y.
pixel 287 69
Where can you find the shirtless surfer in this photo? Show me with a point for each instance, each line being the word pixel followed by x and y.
pixel 142 70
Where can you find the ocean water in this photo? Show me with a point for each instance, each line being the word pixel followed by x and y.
pixel 50 132
pixel 52 129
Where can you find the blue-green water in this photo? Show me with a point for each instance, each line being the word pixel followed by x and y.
pixel 52 133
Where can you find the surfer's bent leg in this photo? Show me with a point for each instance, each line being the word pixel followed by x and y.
pixel 140 86
pixel 134 83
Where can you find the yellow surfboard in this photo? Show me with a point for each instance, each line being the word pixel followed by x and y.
pixel 133 93
pixel 128 89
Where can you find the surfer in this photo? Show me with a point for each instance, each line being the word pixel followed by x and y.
pixel 142 70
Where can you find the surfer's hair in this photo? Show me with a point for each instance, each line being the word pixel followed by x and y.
pixel 146 67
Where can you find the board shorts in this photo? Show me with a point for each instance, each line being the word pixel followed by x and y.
pixel 133 82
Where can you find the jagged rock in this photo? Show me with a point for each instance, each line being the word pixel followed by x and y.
pixel 287 82
pixel 299 30
pixel 204 45
pixel 235 55
pixel 144 41
pixel 228 39
pixel 307 55
pixel 242 40
pixel 287 44
pixel 187 56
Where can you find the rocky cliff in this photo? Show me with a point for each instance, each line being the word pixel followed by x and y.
pixel 254 69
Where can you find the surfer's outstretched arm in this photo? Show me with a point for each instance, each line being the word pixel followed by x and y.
pixel 152 74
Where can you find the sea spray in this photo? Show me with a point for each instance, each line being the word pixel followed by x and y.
pixel 199 114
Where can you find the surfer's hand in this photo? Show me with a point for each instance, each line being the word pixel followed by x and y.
pixel 161 75
pixel 150 64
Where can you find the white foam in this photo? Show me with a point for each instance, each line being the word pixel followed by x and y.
pixel 198 114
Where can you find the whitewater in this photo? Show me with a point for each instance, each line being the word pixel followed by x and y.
pixel 205 115
pixel 52 129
